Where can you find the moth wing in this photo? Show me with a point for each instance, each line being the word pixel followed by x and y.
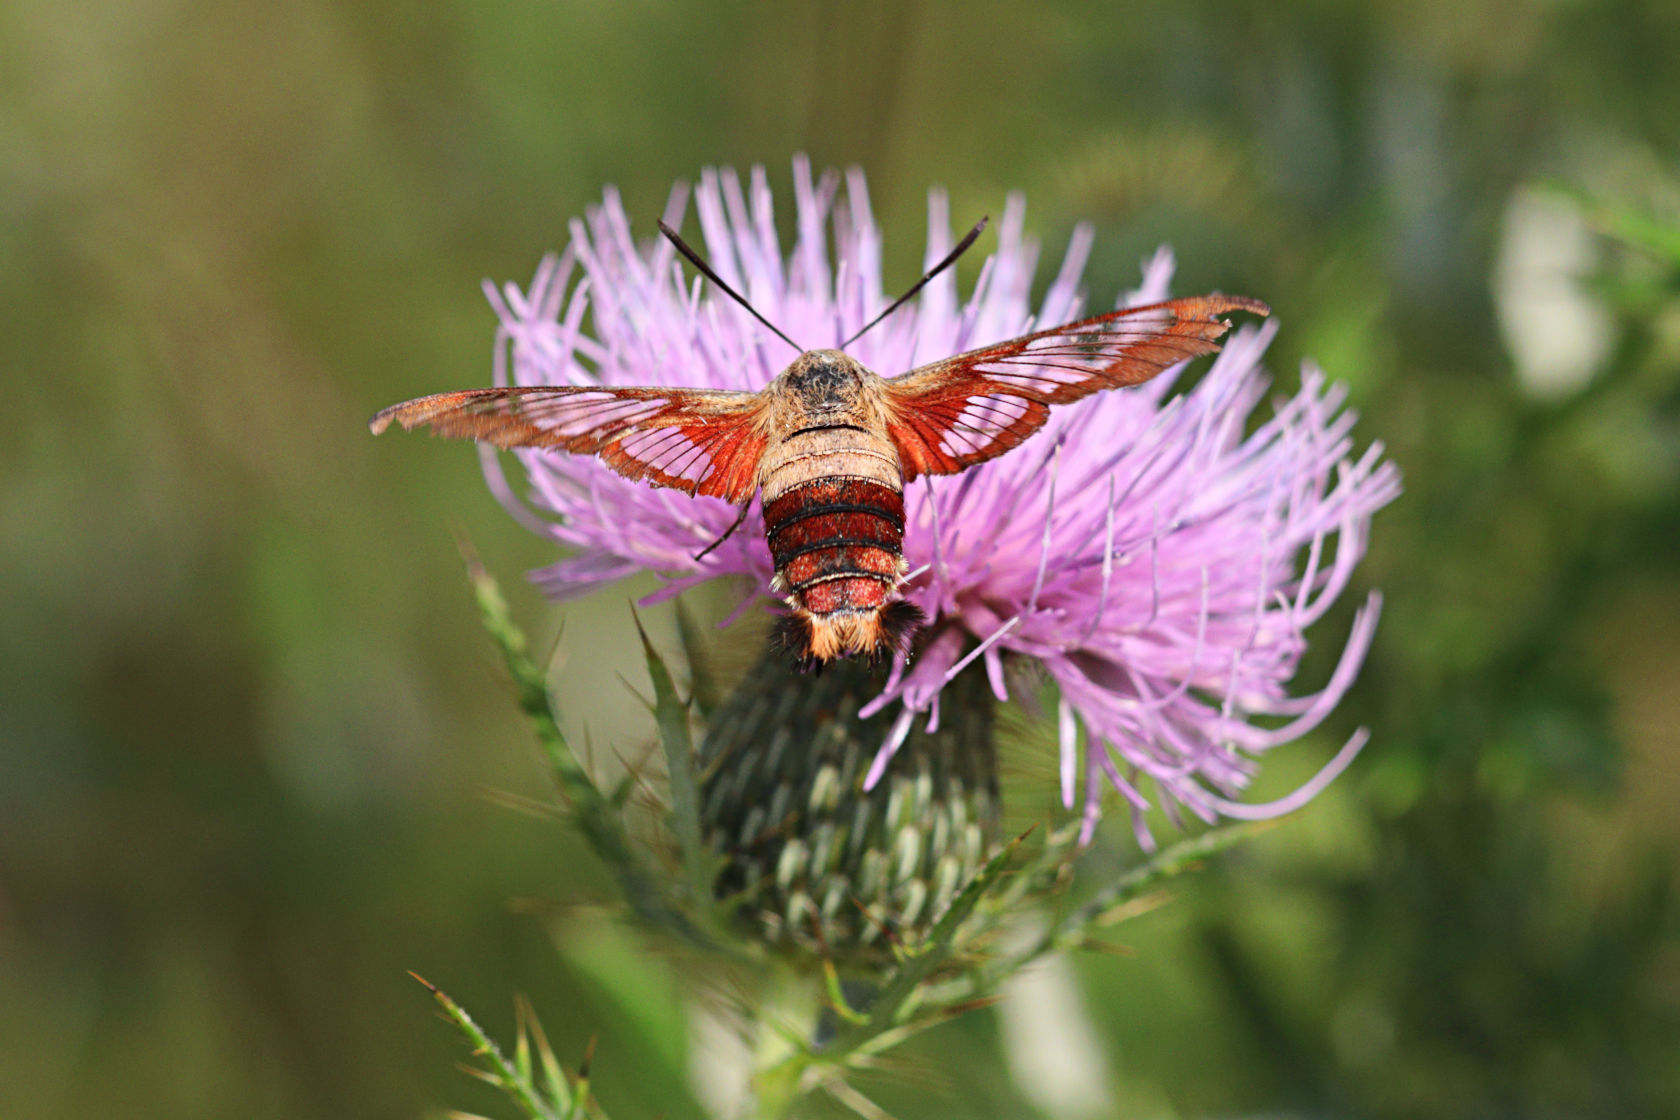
pixel 702 441
pixel 949 415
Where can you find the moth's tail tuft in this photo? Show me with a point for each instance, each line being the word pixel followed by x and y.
pixel 794 636
pixel 878 634
pixel 900 619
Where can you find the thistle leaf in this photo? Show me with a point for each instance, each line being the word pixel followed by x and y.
pixel 702 687
pixel 596 813
pixel 1632 227
pixel 674 735
pixel 497 1070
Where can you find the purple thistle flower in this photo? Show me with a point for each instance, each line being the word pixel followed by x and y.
pixel 1161 565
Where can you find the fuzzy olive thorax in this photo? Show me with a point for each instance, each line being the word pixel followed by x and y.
pixel 824 381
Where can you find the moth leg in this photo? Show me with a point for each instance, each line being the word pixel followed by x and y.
pixel 745 507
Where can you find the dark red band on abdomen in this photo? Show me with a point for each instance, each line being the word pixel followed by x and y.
pixel 845 593
pixel 837 542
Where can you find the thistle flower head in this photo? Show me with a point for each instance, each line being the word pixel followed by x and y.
pixel 1157 554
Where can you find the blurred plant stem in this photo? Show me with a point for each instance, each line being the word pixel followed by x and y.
pixel 790 1005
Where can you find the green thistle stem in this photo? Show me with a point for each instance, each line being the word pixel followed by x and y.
pixel 781 1055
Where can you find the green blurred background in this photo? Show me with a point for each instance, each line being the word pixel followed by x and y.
pixel 248 722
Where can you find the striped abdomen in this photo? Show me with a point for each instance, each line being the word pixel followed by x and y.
pixel 834 517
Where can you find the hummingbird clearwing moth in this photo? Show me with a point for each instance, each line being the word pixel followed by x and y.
pixel 830 444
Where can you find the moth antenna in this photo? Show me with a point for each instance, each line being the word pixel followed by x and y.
pixel 950 259
pixel 706 271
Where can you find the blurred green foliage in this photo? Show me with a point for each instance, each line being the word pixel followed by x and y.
pixel 247 720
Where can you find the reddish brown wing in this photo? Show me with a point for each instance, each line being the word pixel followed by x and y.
pixel 950 415
pixel 699 440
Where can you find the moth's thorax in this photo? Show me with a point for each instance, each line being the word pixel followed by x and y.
pixel 827 421
pixel 824 382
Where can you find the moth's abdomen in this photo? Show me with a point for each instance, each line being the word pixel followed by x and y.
pixel 834 538
pixel 837 543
